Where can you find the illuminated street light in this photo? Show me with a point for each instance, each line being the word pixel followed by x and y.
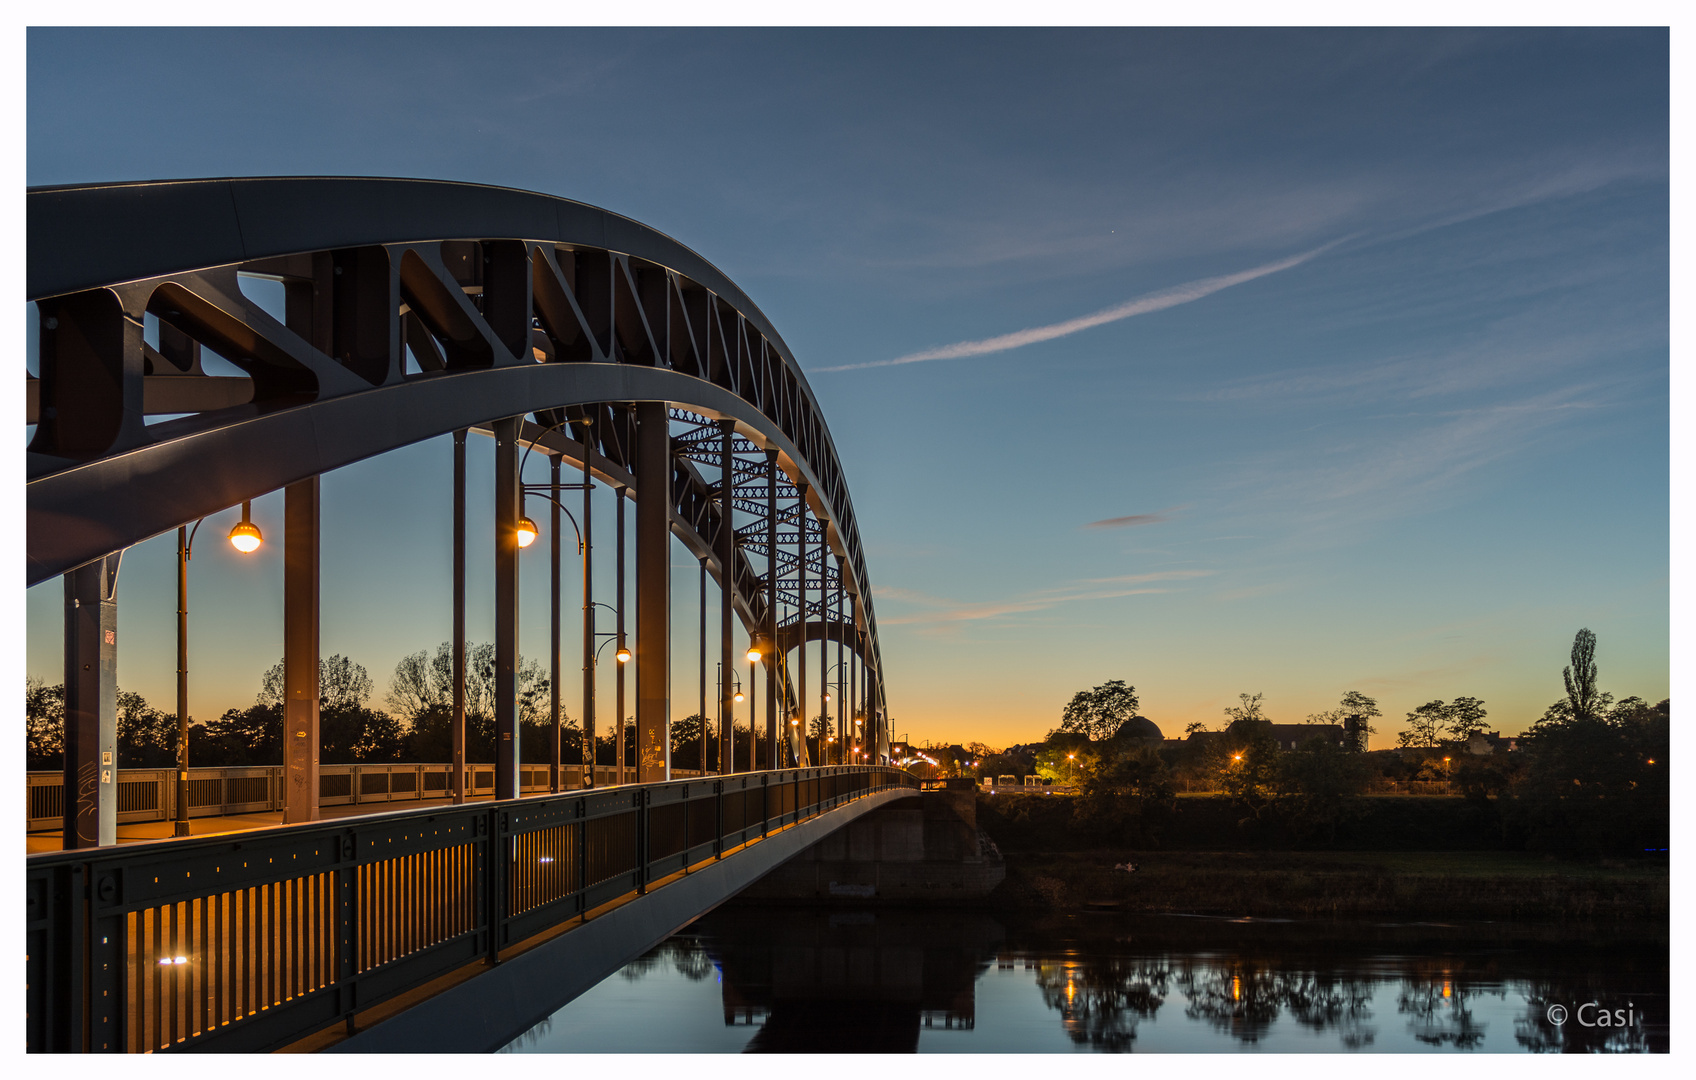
pixel 753 655
pixel 246 537
pixel 623 653
pixel 527 532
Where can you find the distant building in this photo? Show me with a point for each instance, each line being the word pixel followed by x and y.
pixel 1291 736
pixel 1484 744
pixel 1140 728
pixel 1286 736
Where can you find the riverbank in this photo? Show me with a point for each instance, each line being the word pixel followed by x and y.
pixel 1337 885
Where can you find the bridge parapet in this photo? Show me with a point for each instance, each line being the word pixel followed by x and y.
pixel 252 941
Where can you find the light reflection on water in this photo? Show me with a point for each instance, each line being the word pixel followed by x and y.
pixel 746 979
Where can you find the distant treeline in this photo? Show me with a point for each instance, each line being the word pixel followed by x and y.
pixel 417 726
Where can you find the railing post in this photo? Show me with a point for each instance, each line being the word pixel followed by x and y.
pixel 100 892
pixel 495 867
pixel 644 802
pixel 347 927
pixel 718 808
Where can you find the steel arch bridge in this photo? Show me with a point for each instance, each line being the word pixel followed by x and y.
pixel 415 309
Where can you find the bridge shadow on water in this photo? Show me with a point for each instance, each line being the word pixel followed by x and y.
pixel 850 981
pixel 904 980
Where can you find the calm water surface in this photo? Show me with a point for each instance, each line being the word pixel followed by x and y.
pixel 748 979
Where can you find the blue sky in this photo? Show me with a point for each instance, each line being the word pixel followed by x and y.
pixel 1392 414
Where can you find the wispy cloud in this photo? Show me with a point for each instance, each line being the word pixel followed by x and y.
pixel 1142 305
pixel 1132 520
pixel 945 611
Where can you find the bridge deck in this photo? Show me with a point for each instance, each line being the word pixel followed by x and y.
pixel 254 939
pixel 140 832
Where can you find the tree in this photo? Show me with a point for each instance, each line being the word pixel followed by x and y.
pixel 1464 718
pixel 1124 792
pixel 1317 779
pixel 348 730
pixel 1354 704
pixel 147 738
pixel 1595 783
pixel 251 736
pixel 686 742
pixel 1580 677
pixel 44 724
pixel 421 692
pixel 1425 725
pixel 1247 759
pixel 341 684
pixel 1194 726
pixel 819 731
pixel 1096 714
pixel 1250 711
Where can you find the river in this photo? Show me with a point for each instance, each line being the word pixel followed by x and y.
pixel 752 979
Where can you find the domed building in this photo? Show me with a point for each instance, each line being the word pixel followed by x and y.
pixel 1140 729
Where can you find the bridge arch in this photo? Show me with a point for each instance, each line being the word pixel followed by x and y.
pixel 413 309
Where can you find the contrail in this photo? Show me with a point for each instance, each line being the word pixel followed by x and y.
pixel 1142 305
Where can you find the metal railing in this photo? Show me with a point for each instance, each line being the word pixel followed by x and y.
pixel 250 941
pixel 151 794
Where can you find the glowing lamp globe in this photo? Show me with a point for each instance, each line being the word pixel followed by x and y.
pixel 527 532
pixel 623 654
pixel 246 537
pixel 753 656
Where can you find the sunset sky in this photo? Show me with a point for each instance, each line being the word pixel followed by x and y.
pixel 1280 361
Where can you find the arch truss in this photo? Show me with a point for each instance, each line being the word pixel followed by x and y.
pixel 356 316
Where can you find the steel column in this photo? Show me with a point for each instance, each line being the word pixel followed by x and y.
pixel 456 732
pixel 183 552
pixel 300 651
pixel 841 669
pixel 557 740
pixel 770 651
pixel 653 592
pixel 619 757
pixel 727 594
pixel 701 715
pixel 507 511
pixel 800 615
pixel 91 704
pixel 588 771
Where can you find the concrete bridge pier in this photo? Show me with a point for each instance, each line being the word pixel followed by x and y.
pixel 924 848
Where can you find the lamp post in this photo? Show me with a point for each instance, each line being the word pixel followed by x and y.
pixel 841 670
pixel 753 711
pixel 738 697
pixel 245 538
pixel 527 532
pixel 622 655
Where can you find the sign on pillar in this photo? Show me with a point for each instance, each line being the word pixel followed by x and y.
pixel 91 704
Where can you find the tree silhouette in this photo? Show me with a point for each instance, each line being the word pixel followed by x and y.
pixel 1096 714
pixel 1580 677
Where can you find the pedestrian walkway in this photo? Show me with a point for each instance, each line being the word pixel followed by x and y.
pixel 141 832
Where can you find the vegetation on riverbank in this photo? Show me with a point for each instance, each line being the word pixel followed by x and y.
pixel 1403 885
